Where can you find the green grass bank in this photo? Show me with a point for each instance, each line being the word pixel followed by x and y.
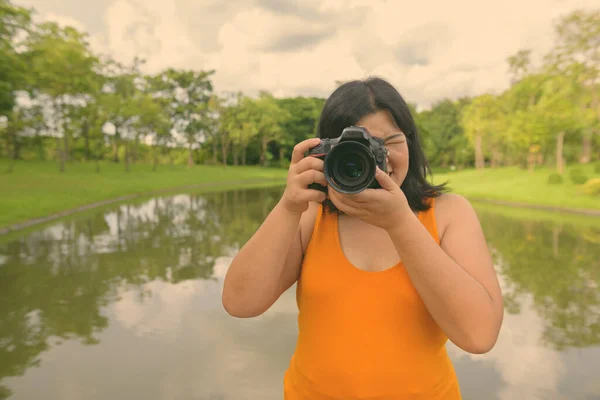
pixel 38 189
pixel 515 185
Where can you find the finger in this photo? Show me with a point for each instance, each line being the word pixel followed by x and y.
pixel 307 177
pixel 354 199
pixel 308 163
pixel 342 201
pixel 385 181
pixel 313 195
pixel 341 205
pixel 301 148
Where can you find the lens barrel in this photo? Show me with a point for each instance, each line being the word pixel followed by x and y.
pixel 350 167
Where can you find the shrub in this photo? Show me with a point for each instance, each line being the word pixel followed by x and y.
pixel 555 178
pixel 577 176
pixel 592 187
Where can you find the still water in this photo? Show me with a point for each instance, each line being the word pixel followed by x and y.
pixel 126 304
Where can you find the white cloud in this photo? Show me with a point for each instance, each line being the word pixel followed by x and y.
pixel 152 30
pixel 528 367
pixel 162 313
pixel 428 52
pixel 62 20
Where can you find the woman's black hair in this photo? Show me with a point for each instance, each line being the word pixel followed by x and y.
pixel 353 100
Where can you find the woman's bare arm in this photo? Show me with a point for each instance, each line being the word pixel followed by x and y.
pixel 456 280
pixel 269 263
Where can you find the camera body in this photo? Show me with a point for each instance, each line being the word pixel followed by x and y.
pixel 350 160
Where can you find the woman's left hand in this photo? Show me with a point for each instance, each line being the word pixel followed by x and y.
pixel 385 207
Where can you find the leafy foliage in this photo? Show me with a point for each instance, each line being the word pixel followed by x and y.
pixel 555 178
pixel 592 187
pixel 85 107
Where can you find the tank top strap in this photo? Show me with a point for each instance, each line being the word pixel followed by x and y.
pixel 427 218
pixel 324 228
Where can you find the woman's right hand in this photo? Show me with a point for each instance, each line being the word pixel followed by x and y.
pixel 302 172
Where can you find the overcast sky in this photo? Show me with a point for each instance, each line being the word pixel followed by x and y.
pixel 429 50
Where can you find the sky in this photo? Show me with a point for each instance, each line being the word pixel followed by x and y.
pixel 427 50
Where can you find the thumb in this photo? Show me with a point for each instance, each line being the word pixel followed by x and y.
pixel 385 181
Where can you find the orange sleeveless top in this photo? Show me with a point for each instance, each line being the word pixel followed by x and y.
pixel 363 334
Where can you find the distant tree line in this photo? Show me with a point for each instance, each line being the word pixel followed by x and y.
pixel 60 101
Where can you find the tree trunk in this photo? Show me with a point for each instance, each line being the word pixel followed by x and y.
pixel 244 147
pixel 65 142
pixel 116 146
pixel 236 154
pixel 586 148
pixel 263 150
pixel 62 160
pixel 281 160
pixel 127 156
pixel 531 161
pixel 85 132
pixel 136 148
pixel 496 156
pixel 560 161
pixel 214 150
pixel 224 148
pixel 39 140
pixel 16 153
pixel 155 154
pixel 190 162
pixel 479 162
pixel 59 155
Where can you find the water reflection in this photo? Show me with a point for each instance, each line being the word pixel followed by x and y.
pixel 126 304
pixel 549 270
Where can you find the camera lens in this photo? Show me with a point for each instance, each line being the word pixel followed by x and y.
pixel 350 167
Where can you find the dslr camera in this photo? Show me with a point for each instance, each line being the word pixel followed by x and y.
pixel 350 160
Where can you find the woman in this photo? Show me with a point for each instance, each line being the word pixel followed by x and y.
pixel 385 277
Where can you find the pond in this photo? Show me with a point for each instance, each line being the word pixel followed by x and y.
pixel 125 303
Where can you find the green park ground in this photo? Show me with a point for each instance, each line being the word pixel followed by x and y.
pixel 38 189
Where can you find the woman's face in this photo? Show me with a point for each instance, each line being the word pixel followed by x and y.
pixel 382 125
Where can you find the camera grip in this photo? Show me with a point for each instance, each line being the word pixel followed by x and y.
pixel 317 186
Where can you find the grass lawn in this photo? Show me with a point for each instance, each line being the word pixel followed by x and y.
pixel 516 185
pixel 38 189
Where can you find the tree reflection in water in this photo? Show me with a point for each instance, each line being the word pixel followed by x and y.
pixel 67 281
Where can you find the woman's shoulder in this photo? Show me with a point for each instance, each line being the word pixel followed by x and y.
pixel 450 208
pixel 451 201
pixel 307 223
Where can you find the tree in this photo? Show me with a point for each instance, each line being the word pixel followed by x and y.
pixel 214 115
pixel 241 122
pixel 519 65
pixel 525 130
pixel 304 115
pixel 153 121
pixel 560 112
pixel 444 132
pixel 186 94
pixel 269 120
pixel 578 44
pixel 64 68
pixel 482 120
pixel 120 102
pixel 14 21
